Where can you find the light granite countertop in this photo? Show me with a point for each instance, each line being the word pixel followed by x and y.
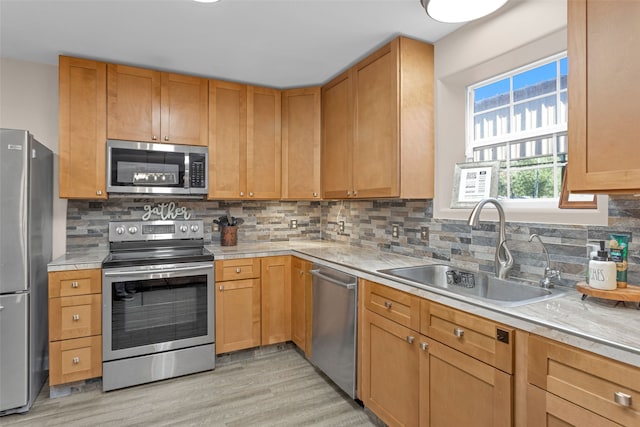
pixel 593 324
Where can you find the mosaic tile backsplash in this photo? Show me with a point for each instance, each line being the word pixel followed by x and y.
pixel 368 223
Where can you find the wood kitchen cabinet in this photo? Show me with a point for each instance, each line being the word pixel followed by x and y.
pixel 301 304
pixel 276 299
pixel 152 106
pixel 378 134
pixel 83 128
pixel 237 304
pixel 244 142
pixel 569 386
pixel 429 365
pixel 301 144
pixel 75 325
pixel 604 96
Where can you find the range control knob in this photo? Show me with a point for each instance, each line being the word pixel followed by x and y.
pixel 184 228
pixel 133 229
pixel 120 230
pixel 194 228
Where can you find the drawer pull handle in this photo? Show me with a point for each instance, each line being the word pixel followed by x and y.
pixel 424 346
pixel 76 360
pixel 410 339
pixel 74 284
pixel 622 398
pixel 238 270
pixel 387 304
pixel 76 317
pixel 458 332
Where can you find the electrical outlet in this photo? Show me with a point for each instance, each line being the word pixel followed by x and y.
pixel 395 230
pixel 216 227
pixel 293 224
pixel 340 226
pixel 424 233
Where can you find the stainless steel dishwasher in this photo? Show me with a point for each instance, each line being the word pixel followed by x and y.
pixel 333 342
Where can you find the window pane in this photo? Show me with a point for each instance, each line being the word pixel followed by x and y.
pixel 535 82
pixel 564 111
pixel 564 72
pixel 535 114
pixel 491 96
pixel 528 183
pixel 533 148
pixel 493 123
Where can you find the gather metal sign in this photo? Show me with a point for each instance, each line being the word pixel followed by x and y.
pixel 164 211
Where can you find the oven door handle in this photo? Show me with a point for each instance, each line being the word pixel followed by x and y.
pixel 154 271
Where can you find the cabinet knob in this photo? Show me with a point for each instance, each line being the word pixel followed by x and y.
pixel 75 360
pixel 166 138
pixel 250 193
pixel 238 270
pixel 154 138
pixel 242 194
pixel 622 398
pixel 74 284
pixel 99 193
pixel 221 288
pixel 315 194
pixel 355 193
pixel 387 304
pixel 348 193
pixel 301 273
pixel 410 339
pixel 458 332
pixel 424 346
pixel 76 317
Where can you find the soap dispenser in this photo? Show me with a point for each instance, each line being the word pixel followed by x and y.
pixel 602 271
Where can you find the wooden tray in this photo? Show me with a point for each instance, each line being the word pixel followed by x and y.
pixel 630 293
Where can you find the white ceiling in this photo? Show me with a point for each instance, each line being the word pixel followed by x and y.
pixel 283 44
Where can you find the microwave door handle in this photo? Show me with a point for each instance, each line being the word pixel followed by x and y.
pixel 187 171
pixel 154 271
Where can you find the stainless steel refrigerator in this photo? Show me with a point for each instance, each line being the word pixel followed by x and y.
pixel 26 205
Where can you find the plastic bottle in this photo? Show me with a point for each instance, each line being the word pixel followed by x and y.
pixel 602 272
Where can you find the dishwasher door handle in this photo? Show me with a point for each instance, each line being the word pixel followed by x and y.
pixel 349 285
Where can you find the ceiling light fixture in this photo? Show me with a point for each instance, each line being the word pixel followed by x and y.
pixel 455 11
pixel 207 1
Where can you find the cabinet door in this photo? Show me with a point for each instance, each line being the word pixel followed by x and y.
pixel 184 118
pixel 604 95
pixel 300 304
pixel 337 137
pixel 458 390
pixel 227 140
pixel 264 145
pixel 83 128
pixel 133 108
pixel 390 370
pixel 237 315
pixel 376 138
pixel 276 299
pixel 301 144
pixel 75 360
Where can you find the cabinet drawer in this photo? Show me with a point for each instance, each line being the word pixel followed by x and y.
pixel 236 269
pixel 480 338
pixel 74 317
pixel 586 379
pixel 393 304
pixel 74 360
pixel 75 282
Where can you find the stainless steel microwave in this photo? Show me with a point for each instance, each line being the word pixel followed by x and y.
pixel 156 169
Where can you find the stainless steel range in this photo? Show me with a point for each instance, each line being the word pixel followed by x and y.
pixel 158 309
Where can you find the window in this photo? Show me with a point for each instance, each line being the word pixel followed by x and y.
pixel 520 119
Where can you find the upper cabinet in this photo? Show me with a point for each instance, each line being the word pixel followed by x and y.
pixel 378 125
pixel 152 106
pixel 301 144
pixel 244 141
pixel 604 96
pixel 82 132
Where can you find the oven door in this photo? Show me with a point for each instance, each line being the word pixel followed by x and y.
pixel 157 308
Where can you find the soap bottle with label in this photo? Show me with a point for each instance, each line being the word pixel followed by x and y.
pixel 602 271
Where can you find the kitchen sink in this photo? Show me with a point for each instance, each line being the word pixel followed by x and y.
pixel 475 285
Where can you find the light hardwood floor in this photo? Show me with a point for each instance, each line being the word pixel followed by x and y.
pixel 277 389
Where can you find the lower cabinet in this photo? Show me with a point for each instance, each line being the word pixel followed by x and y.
pixel 301 304
pixel 573 387
pixel 276 299
pixel 411 379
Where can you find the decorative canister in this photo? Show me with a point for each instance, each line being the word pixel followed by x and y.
pixel 228 235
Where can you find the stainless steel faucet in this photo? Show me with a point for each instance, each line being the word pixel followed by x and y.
pixel 549 273
pixel 503 258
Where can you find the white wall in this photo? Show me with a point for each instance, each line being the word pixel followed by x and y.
pixel 520 33
pixel 29 100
